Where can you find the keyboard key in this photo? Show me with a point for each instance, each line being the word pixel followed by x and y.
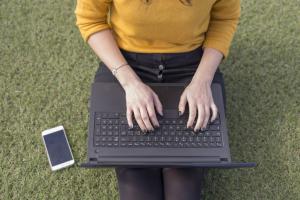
pixel 214 127
pixel 213 144
pixel 218 134
pixel 123 144
pixel 142 144
pixel 199 144
pixel 115 133
pixel 179 133
pixel 130 133
pixel 112 115
pixel 115 144
pixel 219 144
pixel 148 144
pixel 207 134
pixel 136 144
pixel 123 121
pixel 123 133
pixel 129 144
pixel 198 138
pixel 216 121
pixel 97 139
pixel 109 144
pixel 98 120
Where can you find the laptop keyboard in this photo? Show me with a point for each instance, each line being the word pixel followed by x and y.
pixel 112 130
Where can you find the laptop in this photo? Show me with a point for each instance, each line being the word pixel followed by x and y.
pixel 111 143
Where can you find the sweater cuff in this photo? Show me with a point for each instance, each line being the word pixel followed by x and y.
pixel 218 45
pixel 91 30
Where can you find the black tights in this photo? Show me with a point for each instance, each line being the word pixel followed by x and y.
pixel 160 183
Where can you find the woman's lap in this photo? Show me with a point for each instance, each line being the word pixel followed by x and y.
pixel 160 183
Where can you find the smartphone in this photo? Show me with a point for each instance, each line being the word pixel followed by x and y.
pixel 57 148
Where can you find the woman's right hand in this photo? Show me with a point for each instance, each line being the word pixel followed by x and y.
pixel 142 101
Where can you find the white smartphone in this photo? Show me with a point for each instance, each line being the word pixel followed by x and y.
pixel 57 148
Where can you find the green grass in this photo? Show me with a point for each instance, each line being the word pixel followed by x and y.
pixel 45 76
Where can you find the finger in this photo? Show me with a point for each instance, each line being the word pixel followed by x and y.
pixel 145 118
pixel 158 104
pixel 214 111
pixel 200 117
pixel 152 114
pixel 182 103
pixel 192 113
pixel 129 117
pixel 138 119
pixel 206 116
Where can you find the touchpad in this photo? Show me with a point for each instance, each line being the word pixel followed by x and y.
pixel 168 95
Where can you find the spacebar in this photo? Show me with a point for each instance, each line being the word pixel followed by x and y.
pixel 161 159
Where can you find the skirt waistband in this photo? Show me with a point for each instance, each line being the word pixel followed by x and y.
pixel 169 59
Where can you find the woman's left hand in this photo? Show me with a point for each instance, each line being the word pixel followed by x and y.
pixel 199 97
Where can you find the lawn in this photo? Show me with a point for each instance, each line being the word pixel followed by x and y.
pixel 45 74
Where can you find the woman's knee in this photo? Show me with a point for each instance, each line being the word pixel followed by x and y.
pixel 183 183
pixel 139 183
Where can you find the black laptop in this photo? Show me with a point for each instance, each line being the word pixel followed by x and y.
pixel 112 143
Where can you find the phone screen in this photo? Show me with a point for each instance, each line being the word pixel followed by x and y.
pixel 57 147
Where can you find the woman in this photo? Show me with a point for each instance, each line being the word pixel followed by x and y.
pixel 160 41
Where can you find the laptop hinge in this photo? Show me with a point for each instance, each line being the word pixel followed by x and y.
pixel 149 159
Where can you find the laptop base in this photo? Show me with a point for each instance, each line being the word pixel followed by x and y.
pixel 173 165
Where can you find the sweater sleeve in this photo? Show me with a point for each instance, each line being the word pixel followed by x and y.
pixel 91 16
pixel 224 18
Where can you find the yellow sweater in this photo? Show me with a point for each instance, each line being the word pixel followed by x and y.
pixel 163 26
